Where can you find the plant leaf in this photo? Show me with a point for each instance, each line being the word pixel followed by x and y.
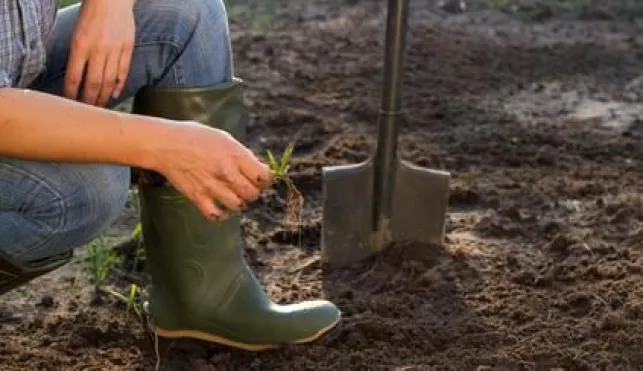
pixel 137 231
pixel 285 158
pixel 272 163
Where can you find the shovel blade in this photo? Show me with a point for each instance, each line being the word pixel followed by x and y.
pixel 418 214
pixel 420 204
pixel 347 213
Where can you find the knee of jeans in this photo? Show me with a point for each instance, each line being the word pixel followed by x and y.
pixel 180 43
pixel 173 20
pixel 80 201
pixel 93 201
pixel 179 20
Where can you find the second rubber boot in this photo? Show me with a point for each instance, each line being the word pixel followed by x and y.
pixel 14 273
pixel 202 287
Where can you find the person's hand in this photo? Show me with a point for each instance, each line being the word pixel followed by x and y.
pixel 101 50
pixel 216 172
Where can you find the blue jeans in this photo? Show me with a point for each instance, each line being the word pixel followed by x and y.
pixel 50 208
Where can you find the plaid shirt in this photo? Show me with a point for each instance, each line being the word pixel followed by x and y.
pixel 25 26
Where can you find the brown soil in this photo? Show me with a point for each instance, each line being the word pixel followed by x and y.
pixel 541 126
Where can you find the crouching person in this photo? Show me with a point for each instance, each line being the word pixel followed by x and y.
pixel 65 159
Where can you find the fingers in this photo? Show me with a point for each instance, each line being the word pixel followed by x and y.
pixel 243 187
pixel 207 207
pixel 91 69
pixel 104 73
pixel 78 56
pixel 225 195
pixel 231 189
pixel 223 183
pixel 216 200
pixel 123 69
pixel 255 171
pixel 94 78
pixel 108 81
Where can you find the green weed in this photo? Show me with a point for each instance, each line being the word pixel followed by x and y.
pixel 137 236
pixel 294 199
pixel 129 300
pixel 101 261
pixel 279 169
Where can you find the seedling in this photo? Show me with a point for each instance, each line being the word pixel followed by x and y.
pixel 136 233
pixel 279 172
pixel 137 236
pixel 280 169
pixel 101 261
pixel 131 306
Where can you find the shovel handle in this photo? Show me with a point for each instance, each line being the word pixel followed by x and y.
pixel 385 159
pixel 395 44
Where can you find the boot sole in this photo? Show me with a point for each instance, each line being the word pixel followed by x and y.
pixel 326 333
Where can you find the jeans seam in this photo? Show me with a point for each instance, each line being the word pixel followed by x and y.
pixel 58 199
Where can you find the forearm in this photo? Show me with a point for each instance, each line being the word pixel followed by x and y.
pixel 39 126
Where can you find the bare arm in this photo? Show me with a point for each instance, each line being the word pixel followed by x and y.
pixel 203 163
pixel 39 126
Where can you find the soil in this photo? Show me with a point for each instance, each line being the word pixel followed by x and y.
pixel 536 114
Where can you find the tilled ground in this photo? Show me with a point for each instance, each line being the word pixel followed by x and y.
pixel 540 124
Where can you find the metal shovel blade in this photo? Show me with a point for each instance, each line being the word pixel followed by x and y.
pixel 347 191
pixel 419 209
pixel 369 205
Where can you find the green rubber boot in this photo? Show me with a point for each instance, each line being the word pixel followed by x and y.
pixel 202 287
pixel 14 274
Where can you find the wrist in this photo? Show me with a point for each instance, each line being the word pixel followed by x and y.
pixel 149 139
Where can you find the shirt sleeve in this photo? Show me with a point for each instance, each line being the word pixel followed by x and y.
pixel 5 81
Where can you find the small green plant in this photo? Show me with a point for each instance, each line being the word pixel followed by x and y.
pixel 137 236
pixel 101 261
pixel 279 169
pixel 137 232
pixel 279 172
pixel 129 300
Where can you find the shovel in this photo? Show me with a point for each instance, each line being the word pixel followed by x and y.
pixel 369 205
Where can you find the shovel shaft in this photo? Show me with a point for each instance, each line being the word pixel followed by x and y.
pixel 396 26
pixel 385 159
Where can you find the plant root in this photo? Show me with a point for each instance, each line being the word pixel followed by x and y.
pixel 294 205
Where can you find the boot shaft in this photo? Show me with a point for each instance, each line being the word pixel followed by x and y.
pixel 221 106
